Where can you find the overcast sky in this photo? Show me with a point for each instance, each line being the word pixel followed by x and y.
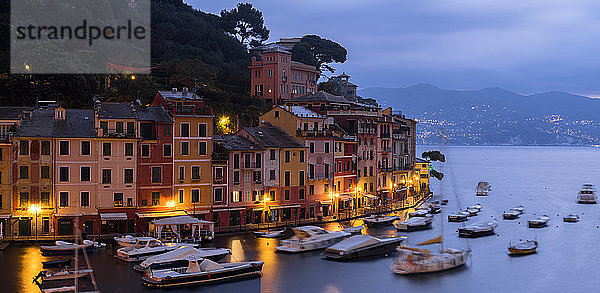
pixel 526 46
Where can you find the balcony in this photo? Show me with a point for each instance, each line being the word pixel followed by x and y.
pixel 113 133
pixel 250 165
pixel 314 133
pixel 317 176
pixel 385 169
pixel 353 113
pixel 386 150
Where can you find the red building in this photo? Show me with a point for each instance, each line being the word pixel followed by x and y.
pixel 275 77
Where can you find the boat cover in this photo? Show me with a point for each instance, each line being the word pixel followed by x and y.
pixel 209 265
pixel 355 242
pixel 179 253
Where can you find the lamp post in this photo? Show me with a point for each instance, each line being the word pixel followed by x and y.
pixel 34 209
pixel 336 195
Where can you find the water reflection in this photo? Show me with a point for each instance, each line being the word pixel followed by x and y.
pixel 28 265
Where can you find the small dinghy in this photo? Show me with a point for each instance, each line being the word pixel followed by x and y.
pixel 483 188
pixel 379 220
pixel 471 212
pixel 539 222
pixel 444 202
pixel 59 263
pixel 63 247
pixel 419 213
pixel 178 257
pixel 62 274
pixel 285 233
pixel 309 238
pixel 475 207
pixel 435 202
pixel 414 224
pixel 357 230
pixel 359 246
pixel 457 217
pixel 478 229
pixel 523 248
pixel 205 272
pixel 152 247
pixel 519 208
pixel 132 241
pixel 571 218
pixel 435 209
pixel 511 215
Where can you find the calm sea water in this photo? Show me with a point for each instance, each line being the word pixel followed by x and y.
pixel 543 179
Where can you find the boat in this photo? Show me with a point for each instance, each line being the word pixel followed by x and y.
pixel 63 247
pixel 571 218
pixel 519 208
pixel 419 213
pixel 587 194
pixel 435 202
pixel 472 212
pixel 478 229
pixel 414 224
pixel 205 272
pixel 444 201
pixel 435 209
pixel 178 257
pixel 379 220
pixel 538 222
pixel 62 274
pixel 58 263
pixel 522 248
pixel 482 188
pixel 511 215
pixel 309 238
pixel 410 260
pixel 285 233
pixel 131 241
pixel 357 230
pixel 358 246
pixel 475 207
pixel 457 217
pixel 152 247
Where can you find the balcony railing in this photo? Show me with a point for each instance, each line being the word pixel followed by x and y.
pixel 317 176
pixel 114 133
pixel 251 165
pixel 314 133
pixel 353 113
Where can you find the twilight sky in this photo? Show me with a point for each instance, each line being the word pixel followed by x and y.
pixel 526 46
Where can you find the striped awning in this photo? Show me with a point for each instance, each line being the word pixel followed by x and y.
pixel 160 214
pixel 113 216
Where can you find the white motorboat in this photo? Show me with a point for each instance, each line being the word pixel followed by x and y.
pixel 379 220
pixel 478 229
pixel 587 194
pixel 475 207
pixel 419 213
pixel 539 222
pixel 519 208
pixel 132 241
pixel 309 238
pixel 284 233
pixel 152 247
pixel 357 230
pixel 63 274
pixel 205 272
pixel 414 224
pixel 178 257
pixel 513 213
pixel 471 212
pixel 482 188
pixel 64 247
pixel 358 246
pixel 411 260
pixel 457 217
pixel 571 218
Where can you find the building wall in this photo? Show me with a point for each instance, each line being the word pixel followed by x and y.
pixel 5 177
pixel 156 159
pixel 117 162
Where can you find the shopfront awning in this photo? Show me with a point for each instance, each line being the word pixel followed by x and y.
pixel 284 207
pixel 344 197
pixel 160 214
pixel 113 216
pixel 369 196
pixel 69 215
pixel 258 209
pixel 197 212
pixel 230 209
pixel 326 201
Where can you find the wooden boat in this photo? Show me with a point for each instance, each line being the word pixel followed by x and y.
pixel 587 195
pixel 419 213
pixel 457 217
pixel 309 238
pixel 205 272
pixel 414 224
pixel 59 263
pixel 523 248
pixel 63 247
pixel 511 215
pixel 539 222
pixel 178 257
pixel 411 260
pixel 358 246
pixel 62 274
pixel 152 247
pixel 379 220
pixel 444 201
pixel 435 202
pixel 571 218
pixel 357 230
pixel 284 233
pixel 478 229
pixel 482 188
pixel 131 241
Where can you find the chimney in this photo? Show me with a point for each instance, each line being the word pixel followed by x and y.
pixel 174 90
pixel 184 91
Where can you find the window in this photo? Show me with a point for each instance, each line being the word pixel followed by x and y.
pixel 106 149
pixel 272 155
pixel 371 171
pixel 45 148
pixel 118 199
pixel 256 176
pixel 202 130
pixel 326 188
pixel 255 195
pixel 236 176
pixel 236 161
pixel 145 150
pixel 129 202
pixel 185 148
pixel 218 194
pixel 64 148
pixel 219 173
pixel 258 160
pixel 195 195
pixel 63 198
pixel 287 156
pixel 311 189
pixel 286 194
pixel 247 161
pixel 155 198
pixel 129 149
pixel 185 130
pixel 63 174
pixel 119 127
pixel 23 172
pixel 301 156
pixel 272 174
pixel 85 148
pixel 156 174
pixel 167 130
pixel 128 176
pixel 24 199
pixel 106 176
pixel 181 172
pixel 287 178
pixel 166 150
pixel 45 199
pixel 202 148
pixel 180 195
pixel 272 195
pixel 45 172
pixel 235 196
pixel 130 128
pixel 85 199
pixel 85 174
pixel 146 131
pixel 370 186
pixel 276 114
pixel 311 171
pixel 195 173
pixel 326 147
pixel 104 127
pixel 312 147
pixel 24 147
pixel 301 178
pixel 326 170
pixel 301 193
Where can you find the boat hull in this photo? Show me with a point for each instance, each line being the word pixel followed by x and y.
pixel 466 233
pixel 51 250
pixel 457 219
pixel 411 228
pixel 64 275
pixel 514 251
pixel 406 268
pixel 510 216
pixel 252 271
pixel 374 250
pixel 536 225
pixel 309 246
pixel 176 263
pixel 372 224
pixel 570 220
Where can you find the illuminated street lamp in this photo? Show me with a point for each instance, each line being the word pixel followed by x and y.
pixel 35 209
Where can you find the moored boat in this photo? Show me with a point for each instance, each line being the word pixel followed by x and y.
pixel 457 217
pixel 357 230
pixel 522 248
pixel 58 263
pixel 379 220
pixel 414 224
pixel 482 188
pixel 587 194
pixel 571 218
pixel 309 238
pixel 63 247
pixel 178 257
pixel 475 207
pixel 538 222
pixel 411 260
pixel 358 246
pixel 444 201
pixel 478 229
pixel 511 215
pixel 205 272
pixel 419 213
pixel 152 247
pixel 435 209
pixel 284 233
pixel 472 212
pixel 63 274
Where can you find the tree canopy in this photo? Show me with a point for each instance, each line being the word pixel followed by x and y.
pixel 319 52
pixel 434 156
pixel 246 23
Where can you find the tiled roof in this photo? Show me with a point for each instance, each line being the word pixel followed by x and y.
pixel 11 113
pixel 304 112
pixel 320 96
pixel 156 114
pixel 179 95
pixel 237 143
pixel 115 110
pixel 272 136
pixel 78 123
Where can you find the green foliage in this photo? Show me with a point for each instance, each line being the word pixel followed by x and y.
pixel 319 52
pixel 246 23
pixel 434 156
pixel 436 174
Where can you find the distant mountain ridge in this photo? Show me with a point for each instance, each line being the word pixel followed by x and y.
pixel 495 116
